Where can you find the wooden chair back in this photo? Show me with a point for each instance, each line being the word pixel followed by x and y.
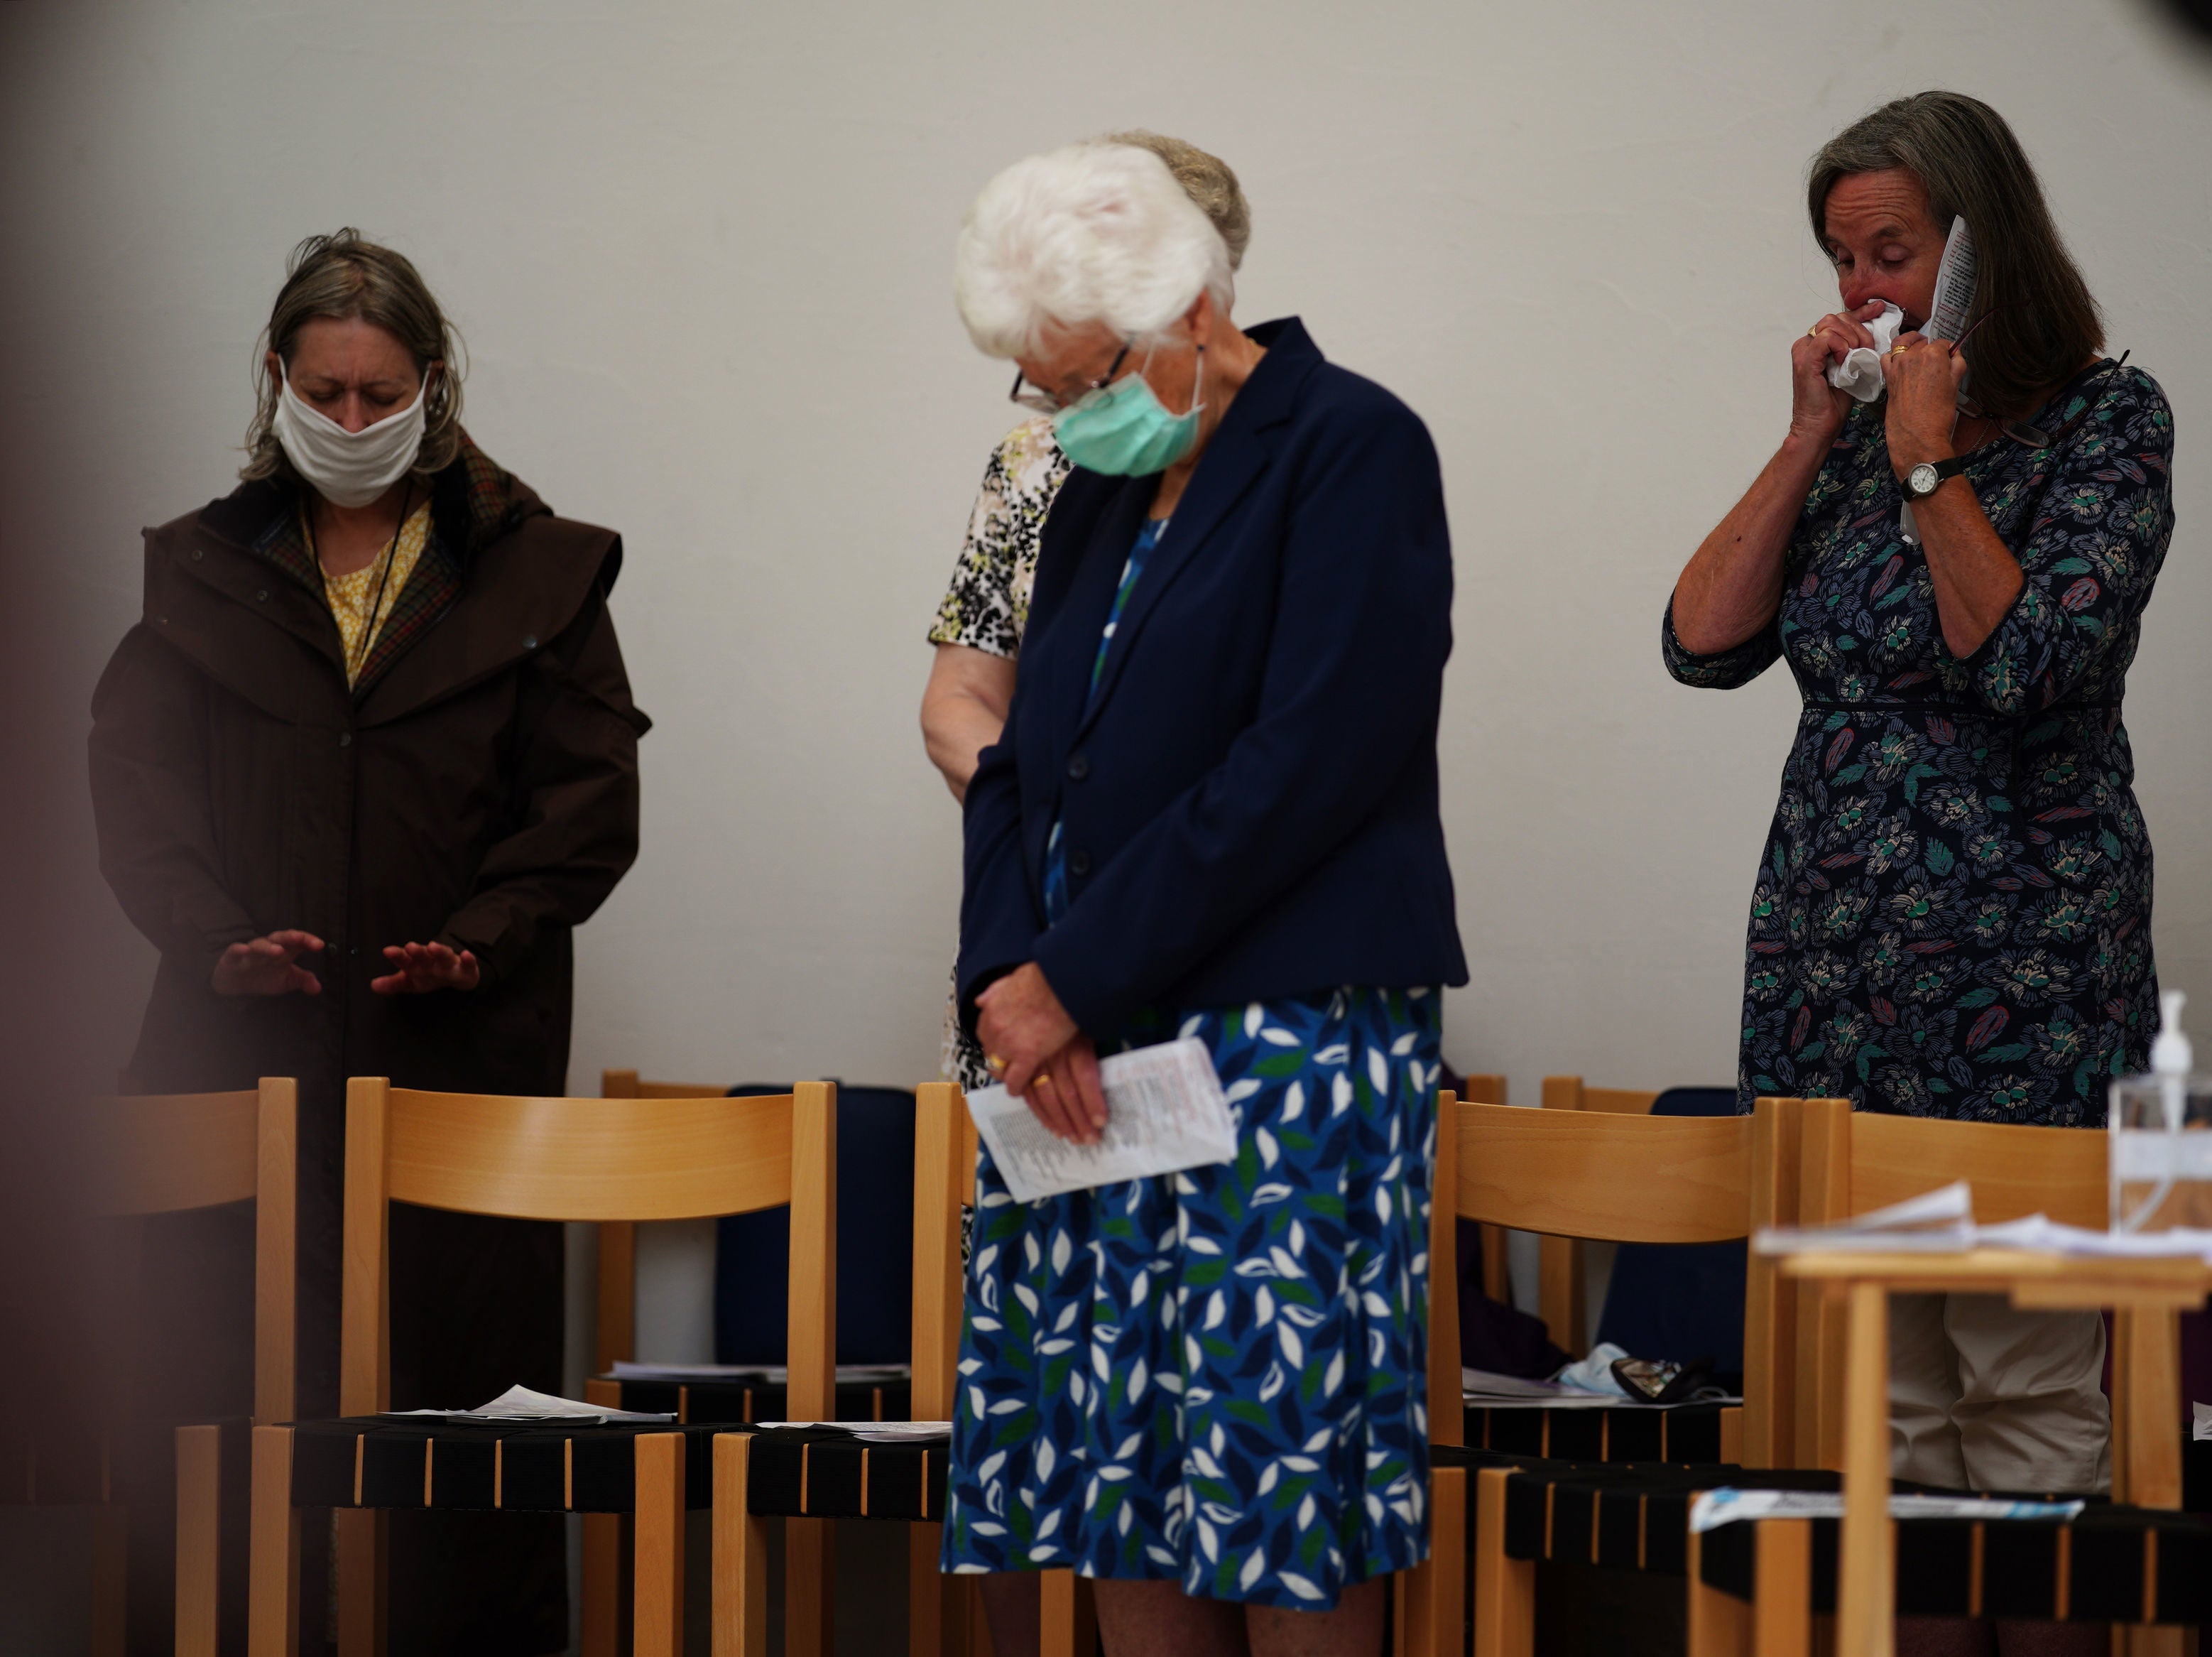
pixel 1497 1258
pixel 1856 1161
pixel 168 1152
pixel 943 1179
pixel 615 1336
pixel 685 1158
pixel 1570 1093
pixel 1563 1264
pixel 1624 1178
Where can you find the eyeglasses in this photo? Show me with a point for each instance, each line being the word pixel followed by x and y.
pixel 1045 402
pixel 2034 437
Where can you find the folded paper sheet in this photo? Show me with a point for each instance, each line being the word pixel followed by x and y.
pixel 520 1406
pixel 1164 1112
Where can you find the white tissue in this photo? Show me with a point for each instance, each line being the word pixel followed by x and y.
pixel 1860 372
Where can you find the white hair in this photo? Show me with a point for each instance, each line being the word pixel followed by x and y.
pixel 1093 232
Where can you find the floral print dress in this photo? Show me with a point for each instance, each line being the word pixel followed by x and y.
pixel 1951 916
pixel 987 608
pixel 1216 1378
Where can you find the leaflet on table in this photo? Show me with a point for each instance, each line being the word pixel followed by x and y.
pixel 1937 1222
pixel 1942 1222
pixel 2200 1430
pixel 520 1406
pixel 772 1374
pixel 1165 1112
pixel 1728 1504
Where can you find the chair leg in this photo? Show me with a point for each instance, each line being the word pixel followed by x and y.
pixel 111 1561
pixel 657 1577
pixel 363 1536
pixel 740 1595
pixel 600 1591
pixel 273 1619
pixel 1505 1587
pixel 1067 1616
pixel 1719 1624
pixel 933 1599
pixel 807 1556
pixel 1432 1596
pixel 199 1521
pixel 1781 1589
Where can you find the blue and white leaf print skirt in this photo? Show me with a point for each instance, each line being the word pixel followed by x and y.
pixel 1218 1378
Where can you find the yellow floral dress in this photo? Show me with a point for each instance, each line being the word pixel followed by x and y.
pixel 361 602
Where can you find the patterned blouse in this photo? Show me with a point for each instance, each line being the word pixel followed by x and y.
pixel 989 604
pixel 1951 916
pixel 350 596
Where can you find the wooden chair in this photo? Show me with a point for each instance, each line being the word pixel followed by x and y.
pixel 1616 1177
pixel 167 1154
pixel 944 1616
pixel 543 1158
pixel 1853 1162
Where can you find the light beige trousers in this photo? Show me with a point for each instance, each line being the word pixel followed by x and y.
pixel 1983 1396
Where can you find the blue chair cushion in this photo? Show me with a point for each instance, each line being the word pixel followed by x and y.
pixel 875 1244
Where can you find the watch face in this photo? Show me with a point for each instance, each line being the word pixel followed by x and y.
pixel 1923 478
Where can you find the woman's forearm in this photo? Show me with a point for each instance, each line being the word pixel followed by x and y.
pixel 1976 579
pixel 963 709
pixel 955 729
pixel 1732 585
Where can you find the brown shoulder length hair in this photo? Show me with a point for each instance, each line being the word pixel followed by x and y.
pixel 2042 323
pixel 341 276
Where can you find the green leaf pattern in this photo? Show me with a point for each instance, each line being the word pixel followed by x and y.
pixel 1217 1378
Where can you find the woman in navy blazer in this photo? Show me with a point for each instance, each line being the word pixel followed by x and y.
pixel 1212 811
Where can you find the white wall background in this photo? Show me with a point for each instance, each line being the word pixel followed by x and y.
pixel 700 254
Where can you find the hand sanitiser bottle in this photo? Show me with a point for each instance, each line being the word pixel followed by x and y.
pixel 2161 1136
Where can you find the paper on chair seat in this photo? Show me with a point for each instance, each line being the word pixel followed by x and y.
pixel 772 1374
pixel 880 1432
pixel 1729 1506
pixel 518 1404
pixel 1164 1112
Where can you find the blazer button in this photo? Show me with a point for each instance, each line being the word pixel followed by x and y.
pixel 1077 768
pixel 530 641
pixel 197 555
pixel 262 597
pixel 1078 861
pixel 345 739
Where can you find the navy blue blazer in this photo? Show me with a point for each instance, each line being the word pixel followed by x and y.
pixel 1250 808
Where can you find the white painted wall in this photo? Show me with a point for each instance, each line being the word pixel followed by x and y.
pixel 702 253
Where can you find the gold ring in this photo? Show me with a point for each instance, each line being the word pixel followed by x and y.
pixel 995 1064
pixel 1813 332
pixel 1044 1082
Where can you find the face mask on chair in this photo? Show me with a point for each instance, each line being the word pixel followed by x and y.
pixel 348 468
pixel 1125 431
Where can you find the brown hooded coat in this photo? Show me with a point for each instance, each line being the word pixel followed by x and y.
pixel 478 786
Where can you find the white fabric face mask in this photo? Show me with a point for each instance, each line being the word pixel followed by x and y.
pixel 348 468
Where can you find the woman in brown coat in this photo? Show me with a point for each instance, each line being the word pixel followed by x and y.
pixel 367 759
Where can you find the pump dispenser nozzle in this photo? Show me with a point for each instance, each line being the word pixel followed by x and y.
pixel 2170 1054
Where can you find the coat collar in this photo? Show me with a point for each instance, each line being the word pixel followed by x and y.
pixel 473 504
pixel 1241 449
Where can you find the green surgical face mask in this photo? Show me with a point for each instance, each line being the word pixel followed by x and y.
pixel 1123 429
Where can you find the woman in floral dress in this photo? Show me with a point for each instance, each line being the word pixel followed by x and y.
pixel 978 630
pixel 1951 916
pixel 1212 814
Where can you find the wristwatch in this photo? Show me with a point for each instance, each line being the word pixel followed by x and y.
pixel 1929 476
